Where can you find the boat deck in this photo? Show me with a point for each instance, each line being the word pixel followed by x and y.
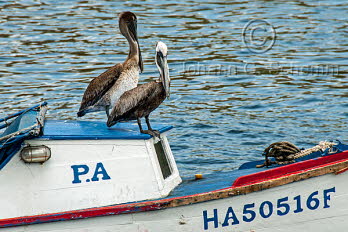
pixel 222 180
pixel 93 130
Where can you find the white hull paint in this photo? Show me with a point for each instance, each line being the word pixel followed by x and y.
pixel 101 179
pixel 123 171
pixel 333 217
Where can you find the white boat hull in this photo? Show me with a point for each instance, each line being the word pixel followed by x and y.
pixel 100 179
pixel 328 213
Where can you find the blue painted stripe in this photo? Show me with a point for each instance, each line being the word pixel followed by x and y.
pixel 93 130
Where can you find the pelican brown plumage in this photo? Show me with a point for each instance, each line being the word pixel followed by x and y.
pixel 104 91
pixel 142 100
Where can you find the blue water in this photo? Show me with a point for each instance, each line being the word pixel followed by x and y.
pixel 227 102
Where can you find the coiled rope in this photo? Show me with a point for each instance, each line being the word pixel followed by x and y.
pixel 286 152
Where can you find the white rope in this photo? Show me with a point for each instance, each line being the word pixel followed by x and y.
pixel 284 152
pixel 322 146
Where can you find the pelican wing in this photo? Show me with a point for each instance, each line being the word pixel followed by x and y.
pixel 100 85
pixel 146 97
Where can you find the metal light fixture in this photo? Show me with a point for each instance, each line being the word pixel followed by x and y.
pixel 36 154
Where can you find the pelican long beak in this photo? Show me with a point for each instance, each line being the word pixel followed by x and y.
pixel 132 27
pixel 165 75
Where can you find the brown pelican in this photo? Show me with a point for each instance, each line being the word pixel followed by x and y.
pixel 142 100
pixel 104 90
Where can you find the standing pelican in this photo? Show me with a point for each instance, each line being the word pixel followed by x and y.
pixel 142 100
pixel 104 90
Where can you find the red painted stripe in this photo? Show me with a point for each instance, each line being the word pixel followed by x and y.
pixel 289 169
pixel 77 214
pixel 160 204
pixel 341 171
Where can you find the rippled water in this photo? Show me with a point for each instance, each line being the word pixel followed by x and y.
pixel 227 103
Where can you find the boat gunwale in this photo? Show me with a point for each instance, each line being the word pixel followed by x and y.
pixel 331 164
pixel 113 133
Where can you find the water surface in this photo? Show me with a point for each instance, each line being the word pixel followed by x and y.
pixel 227 103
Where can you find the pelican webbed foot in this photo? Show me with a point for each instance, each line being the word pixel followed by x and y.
pixel 157 133
pixel 150 131
pixel 154 133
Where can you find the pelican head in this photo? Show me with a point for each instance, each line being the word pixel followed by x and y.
pixel 162 65
pixel 128 27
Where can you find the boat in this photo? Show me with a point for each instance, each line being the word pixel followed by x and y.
pixel 82 176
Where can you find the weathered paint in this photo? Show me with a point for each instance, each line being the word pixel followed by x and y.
pixel 85 174
pixel 228 204
pixel 342 171
pixel 289 169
